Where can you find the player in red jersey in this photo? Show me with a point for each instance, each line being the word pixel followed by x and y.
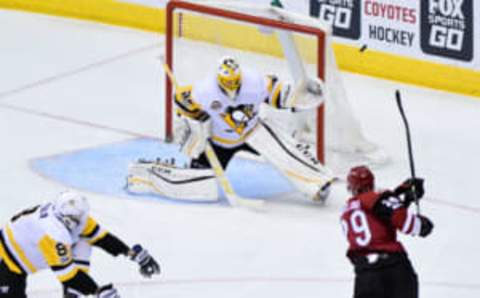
pixel 370 221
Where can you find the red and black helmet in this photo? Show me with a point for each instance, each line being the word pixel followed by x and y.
pixel 360 179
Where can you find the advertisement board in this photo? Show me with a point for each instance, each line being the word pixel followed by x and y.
pixel 344 16
pixel 440 31
pixel 447 28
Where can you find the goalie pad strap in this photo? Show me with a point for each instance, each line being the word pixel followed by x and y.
pixel 157 173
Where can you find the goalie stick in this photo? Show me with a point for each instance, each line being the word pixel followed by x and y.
pixel 409 144
pixel 233 198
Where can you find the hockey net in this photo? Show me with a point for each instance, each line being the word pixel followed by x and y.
pixel 271 41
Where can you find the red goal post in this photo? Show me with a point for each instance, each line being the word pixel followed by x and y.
pixel 200 8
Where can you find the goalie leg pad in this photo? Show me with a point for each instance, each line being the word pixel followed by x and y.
pixel 169 181
pixel 294 160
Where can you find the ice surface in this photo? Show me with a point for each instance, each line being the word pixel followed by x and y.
pixel 68 85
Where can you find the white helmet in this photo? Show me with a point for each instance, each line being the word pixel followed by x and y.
pixel 70 208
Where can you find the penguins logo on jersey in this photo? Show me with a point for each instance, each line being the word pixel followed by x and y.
pixel 238 117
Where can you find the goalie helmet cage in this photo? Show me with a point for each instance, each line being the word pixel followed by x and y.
pixel 302 44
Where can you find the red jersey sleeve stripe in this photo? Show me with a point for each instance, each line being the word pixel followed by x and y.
pixel 408 225
pixel 416 227
pixel 412 225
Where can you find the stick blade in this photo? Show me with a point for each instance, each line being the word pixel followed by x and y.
pixel 251 204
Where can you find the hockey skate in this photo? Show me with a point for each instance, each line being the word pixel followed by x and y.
pixel 324 191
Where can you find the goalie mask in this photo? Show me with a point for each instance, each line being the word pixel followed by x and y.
pixel 229 77
pixel 360 179
pixel 70 208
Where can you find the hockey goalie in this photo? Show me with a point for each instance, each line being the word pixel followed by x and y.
pixel 223 109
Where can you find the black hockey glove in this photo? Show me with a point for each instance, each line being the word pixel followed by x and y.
pixel 148 266
pixel 427 226
pixel 411 189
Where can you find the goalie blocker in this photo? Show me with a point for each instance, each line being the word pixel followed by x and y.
pixel 197 182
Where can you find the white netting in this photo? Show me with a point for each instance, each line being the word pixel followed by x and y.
pixel 200 40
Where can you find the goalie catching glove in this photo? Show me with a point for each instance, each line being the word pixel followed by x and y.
pixel 148 266
pixel 307 94
pixel 315 86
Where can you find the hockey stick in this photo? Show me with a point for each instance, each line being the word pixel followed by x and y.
pixel 232 197
pixel 409 143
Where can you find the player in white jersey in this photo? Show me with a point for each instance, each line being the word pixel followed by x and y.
pixel 224 109
pixel 59 235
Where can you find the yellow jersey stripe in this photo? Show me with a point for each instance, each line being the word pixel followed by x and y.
pixel 276 96
pixel 89 227
pixel 196 115
pixel 189 107
pixel 99 237
pixel 51 249
pixel 68 276
pixel 227 141
pixel 84 269
pixel 19 251
pixel 270 85
pixel 11 264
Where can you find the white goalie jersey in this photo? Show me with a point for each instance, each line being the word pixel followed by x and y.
pixel 232 121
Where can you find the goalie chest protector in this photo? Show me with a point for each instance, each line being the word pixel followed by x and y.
pixel 232 120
